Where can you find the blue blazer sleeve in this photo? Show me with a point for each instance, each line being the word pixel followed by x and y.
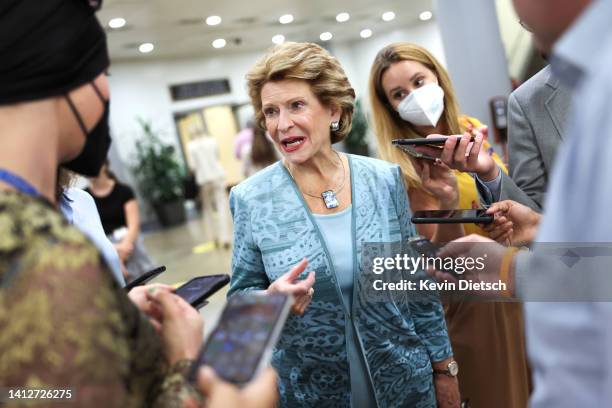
pixel 428 316
pixel 248 272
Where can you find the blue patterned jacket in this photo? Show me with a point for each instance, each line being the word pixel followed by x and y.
pixel 273 230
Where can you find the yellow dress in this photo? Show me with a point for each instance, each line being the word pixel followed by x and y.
pixel 488 338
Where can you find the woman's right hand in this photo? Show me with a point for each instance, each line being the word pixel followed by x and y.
pixel 181 326
pixel 259 393
pixel 440 181
pixel 301 290
pixel 124 249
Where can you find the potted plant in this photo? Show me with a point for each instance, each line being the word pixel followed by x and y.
pixel 160 176
pixel 356 141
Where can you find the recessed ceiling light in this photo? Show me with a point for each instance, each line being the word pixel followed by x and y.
pixel 146 48
pixel 342 17
pixel 213 20
pixel 326 36
pixel 285 19
pixel 219 43
pixel 278 39
pixel 366 33
pixel 116 22
pixel 388 16
pixel 426 15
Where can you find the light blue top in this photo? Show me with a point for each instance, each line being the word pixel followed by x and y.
pixel 569 342
pixel 335 229
pixel 80 210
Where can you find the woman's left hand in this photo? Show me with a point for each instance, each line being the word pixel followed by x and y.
pixel 447 391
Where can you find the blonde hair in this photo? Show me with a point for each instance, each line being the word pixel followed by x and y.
pixel 313 64
pixel 388 124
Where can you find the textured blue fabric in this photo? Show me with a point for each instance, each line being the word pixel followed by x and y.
pixel 336 230
pixel 274 229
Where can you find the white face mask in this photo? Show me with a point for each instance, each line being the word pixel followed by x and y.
pixel 424 106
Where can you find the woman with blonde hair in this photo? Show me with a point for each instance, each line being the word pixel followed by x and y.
pixel 412 97
pixel 339 349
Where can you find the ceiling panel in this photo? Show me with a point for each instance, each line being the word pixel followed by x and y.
pixel 177 28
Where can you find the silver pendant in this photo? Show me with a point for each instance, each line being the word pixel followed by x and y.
pixel 330 199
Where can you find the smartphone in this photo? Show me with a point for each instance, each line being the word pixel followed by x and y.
pixel 424 141
pixel 241 345
pixel 144 278
pixel 413 152
pixel 429 249
pixel 474 216
pixel 197 290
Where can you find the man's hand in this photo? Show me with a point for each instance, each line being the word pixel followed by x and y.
pixel 514 223
pixel 181 326
pixel 138 296
pixel 478 248
pixel 259 393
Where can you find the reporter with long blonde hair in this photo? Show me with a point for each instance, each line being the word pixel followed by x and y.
pixel 412 97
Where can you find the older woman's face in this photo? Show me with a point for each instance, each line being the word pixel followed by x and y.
pixel 403 77
pixel 296 120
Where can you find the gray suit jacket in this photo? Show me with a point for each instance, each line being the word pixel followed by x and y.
pixel 536 115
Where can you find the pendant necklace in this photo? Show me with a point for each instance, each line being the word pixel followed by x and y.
pixel 330 197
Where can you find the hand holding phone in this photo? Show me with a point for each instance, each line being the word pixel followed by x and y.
pixel 197 290
pixel 241 344
pixel 262 392
pixel 180 326
pixel 144 278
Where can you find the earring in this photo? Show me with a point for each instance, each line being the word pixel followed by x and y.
pixel 334 126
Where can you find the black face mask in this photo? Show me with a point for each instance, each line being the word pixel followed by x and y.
pixel 97 141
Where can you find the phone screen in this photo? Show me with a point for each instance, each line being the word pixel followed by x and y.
pixel 456 214
pixel 198 289
pixel 478 215
pixel 243 336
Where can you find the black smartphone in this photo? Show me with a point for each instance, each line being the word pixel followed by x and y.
pixel 144 278
pixel 410 150
pixel 429 249
pixel 474 216
pixel 241 345
pixel 424 141
pixel 197 290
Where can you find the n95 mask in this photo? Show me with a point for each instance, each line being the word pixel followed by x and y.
pixel 424 106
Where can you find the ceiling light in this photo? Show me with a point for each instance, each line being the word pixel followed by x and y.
pixel 146 48
pixel 366 33
pixel 278 39
pixel 219 43
pixel 285 19
pixel 426 15
pixel 342 17
pixel 388 16
pixel 116 22
pixel 326 36
pixel 213 20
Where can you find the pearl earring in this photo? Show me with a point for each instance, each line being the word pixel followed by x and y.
pixel 334 126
